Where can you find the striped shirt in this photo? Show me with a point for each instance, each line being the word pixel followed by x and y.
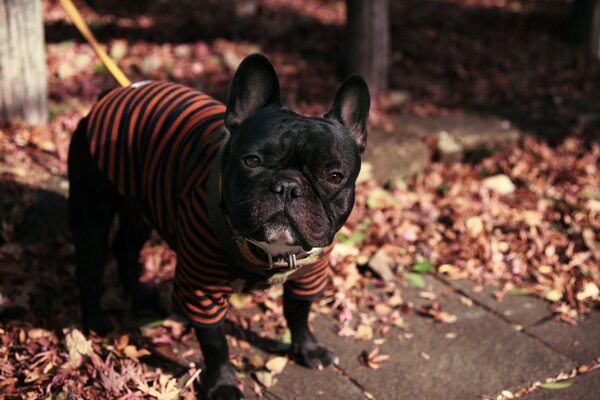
pixel 153 141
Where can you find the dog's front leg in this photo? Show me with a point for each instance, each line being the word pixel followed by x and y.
pixel 219 377
pixel 305 347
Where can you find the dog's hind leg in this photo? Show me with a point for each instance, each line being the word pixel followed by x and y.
pixel 93 202
pixel 131 236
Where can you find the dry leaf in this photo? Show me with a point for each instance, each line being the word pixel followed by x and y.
pixel 265 378
pixel 373 360
pixel 77 346
pixel 130 351
pixel 240 301
pixel 256 360
pixel 364 332
pixel 452 271
pixel 590 291
pixel 276 364
pixel 501 184
pixel 474 226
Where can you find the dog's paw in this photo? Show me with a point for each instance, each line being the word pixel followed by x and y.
pixel 225 392
pixel 98 322
pixel 313 354
pixel 222 385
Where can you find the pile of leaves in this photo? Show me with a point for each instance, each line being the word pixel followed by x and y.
pixel 525 220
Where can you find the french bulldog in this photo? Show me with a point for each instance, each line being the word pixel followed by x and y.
pixel 248 195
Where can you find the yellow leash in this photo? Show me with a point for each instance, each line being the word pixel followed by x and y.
pixel 83 28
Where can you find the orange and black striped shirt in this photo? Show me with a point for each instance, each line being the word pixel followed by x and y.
pixel 144 138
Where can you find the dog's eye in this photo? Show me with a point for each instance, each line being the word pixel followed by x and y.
pixel 252 161
pixel 335 177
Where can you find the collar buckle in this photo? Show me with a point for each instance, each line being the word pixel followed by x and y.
pixel 292 262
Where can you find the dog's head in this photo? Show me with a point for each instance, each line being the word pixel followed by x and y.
pixel 288 180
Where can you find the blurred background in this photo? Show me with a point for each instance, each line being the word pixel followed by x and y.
pixel 533 62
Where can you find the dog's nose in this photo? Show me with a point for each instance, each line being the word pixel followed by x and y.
pixel 286 188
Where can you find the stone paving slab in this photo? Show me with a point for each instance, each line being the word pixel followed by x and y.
pixel 520 310
pixel 486 356
pixel 403 151
pixel 580 342
pixel 299 383
pixel 585 387
pixel 479 355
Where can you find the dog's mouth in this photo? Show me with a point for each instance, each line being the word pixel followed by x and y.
pixel 278 244
pixel 278 255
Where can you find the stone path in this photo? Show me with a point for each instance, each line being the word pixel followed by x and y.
pixel 415 140
pixel 492 347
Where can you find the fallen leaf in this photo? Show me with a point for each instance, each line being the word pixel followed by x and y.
pixel 257 361
pixel 287 337
pixel 435 311
pixel 553 295
pixel 240 301
pixel 381 263
pixel 415 280
pixel 501 184
pixel 520 292
pixel 557 385
pixel 38 333
pixel 373 360
pixel 423 266
pixel 132 352
pixel 265 378
pixel 77 346
pixel 276 364
pixel 364 332
pixel 590 291
pixel 474 226
pixel 452 271
pixel 379 199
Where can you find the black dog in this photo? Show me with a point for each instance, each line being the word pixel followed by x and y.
pixel 248 196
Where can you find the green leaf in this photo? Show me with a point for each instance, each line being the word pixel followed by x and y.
pixel 557 385
pixel 239 300
pixel 148 323
pixel 380 198
pixel 520 292
pixel 591 195
pixel 66 45
pixel 415 280
pixel 364 224
pixel 554 295
pixel 287 337
pixel 99 68
pixel 355 238
pixel 423 266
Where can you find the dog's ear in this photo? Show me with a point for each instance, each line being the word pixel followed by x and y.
pixel 255 85
pixel 351 108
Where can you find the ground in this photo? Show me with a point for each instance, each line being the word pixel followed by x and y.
pixel 469 268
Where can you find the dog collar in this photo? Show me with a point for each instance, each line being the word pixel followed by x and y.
pixel 237 246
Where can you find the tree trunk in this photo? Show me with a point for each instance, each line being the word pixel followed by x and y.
pixel 585 25
pixel 594 32
pixel 23 80
pixel 368 42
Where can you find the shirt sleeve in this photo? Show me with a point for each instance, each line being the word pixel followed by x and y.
pixel 202 281
pixel 311 284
